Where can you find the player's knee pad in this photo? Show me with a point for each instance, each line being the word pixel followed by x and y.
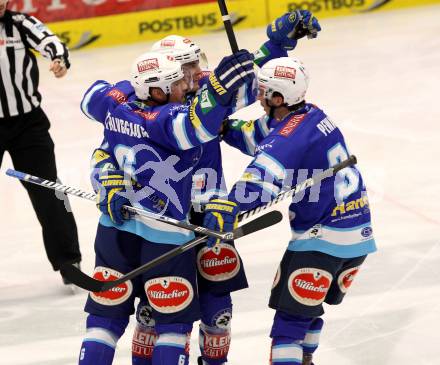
pixel 100 340
pixel 172 344
pixel 144 336
pixel 311 340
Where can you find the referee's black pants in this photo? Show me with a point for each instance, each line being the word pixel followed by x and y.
pixel 26 138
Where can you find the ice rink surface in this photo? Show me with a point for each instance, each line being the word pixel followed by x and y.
pixel 377 75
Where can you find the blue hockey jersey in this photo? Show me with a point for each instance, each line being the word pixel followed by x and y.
pixel 331 217
pixel 208 181
pixel 207 174
pixel 158 147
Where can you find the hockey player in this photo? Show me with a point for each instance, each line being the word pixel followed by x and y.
pixel 153 138
pixel 331 228
pixel 214 283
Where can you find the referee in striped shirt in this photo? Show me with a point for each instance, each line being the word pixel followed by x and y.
pixel 24 128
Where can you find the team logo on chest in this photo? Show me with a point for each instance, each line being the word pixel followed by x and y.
pixel 309 286
pixel 218 263
pixel 346 278
pixel 114 296
pixel 169 294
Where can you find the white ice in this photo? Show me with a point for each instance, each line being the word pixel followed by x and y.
pixel 377 75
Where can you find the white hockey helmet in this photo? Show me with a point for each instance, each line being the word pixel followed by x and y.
pixel 182 49
pixel 285 75
pixel 153 69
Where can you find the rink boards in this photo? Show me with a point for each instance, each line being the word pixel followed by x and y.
pixel 88 23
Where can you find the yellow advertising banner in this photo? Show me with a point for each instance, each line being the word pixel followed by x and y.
pixel 155 24
pixel 331 8
pixel 205 17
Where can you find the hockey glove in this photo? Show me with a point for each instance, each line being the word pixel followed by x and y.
pixel 288 28
pixel 100 163
pixel 110 197
pixel 222 216
pixel 232 72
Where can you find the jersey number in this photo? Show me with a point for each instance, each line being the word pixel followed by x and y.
pixel 126 159
pixel 348 179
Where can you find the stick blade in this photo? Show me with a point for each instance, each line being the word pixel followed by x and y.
pixel 77 277
pixel 262 222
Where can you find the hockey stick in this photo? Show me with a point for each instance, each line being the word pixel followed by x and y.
pixel 77 277
pixel 225 236
pixel 84 281
pixel 302 186
pixel 228 25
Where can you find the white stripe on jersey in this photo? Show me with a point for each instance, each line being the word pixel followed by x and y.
pixel 336 236
pixel 160 226
pixel 36 28
pixel 272 189
pixel 202 134
pixel 87 97
pixel 51 40
pixel 270 164
pixel 19 62
pixel 30 84
pixel 267 185
pixel 241 99
pixel 9 88
pixel 171 339
pixel 312 338
pixel 179 132
pixel 287 353
pixel 249 139
pixel 262 124
pixel 32 43
pixel 100 335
